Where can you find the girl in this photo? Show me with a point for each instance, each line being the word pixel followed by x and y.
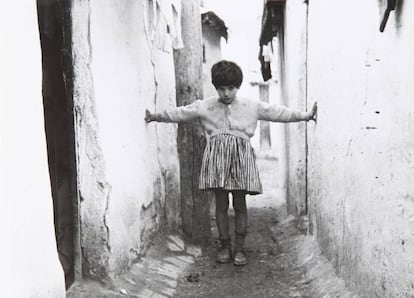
pixel 229 162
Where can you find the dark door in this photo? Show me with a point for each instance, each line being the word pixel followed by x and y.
pixel 55 36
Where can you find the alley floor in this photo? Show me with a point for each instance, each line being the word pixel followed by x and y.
pixel 283 260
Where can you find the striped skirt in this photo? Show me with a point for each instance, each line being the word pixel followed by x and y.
pixel 229 163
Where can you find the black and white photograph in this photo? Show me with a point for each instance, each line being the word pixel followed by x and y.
pixel 207 148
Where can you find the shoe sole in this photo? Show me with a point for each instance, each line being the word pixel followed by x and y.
pixel 223 262
pixel 240 264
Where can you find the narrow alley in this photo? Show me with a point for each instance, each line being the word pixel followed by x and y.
pixel 116 116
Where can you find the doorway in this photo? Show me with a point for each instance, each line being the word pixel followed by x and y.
pixel 55 37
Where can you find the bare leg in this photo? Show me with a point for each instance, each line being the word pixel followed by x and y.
pixel 239 205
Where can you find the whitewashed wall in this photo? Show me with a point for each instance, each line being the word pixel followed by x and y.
pixel 294 84
pixel 361 160
pixel 29 262
pixel 128 170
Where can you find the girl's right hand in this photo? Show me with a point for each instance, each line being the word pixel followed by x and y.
pixel 149 116
pixel 313 112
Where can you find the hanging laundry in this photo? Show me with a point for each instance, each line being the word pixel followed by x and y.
pixel 150 21
pixel 177 41
pixel 272 24
pixel 272 20
pixel 267 52
pixel 162 39
pixel 265 66
pixel 385 7
pixel 163 24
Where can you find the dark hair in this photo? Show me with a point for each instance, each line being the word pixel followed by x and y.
pixel 226 73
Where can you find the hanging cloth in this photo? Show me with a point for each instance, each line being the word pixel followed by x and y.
pixel 272 24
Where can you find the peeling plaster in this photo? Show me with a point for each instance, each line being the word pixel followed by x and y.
pixel 163 182
pixel 128 170
pixel 90 163
pixel 159 183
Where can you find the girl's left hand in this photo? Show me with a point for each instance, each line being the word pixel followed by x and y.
pixel 313 112
pixel 149 116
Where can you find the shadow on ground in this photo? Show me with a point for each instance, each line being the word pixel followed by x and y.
pixel 283 260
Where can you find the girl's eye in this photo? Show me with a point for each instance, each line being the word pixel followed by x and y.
pixel 228 89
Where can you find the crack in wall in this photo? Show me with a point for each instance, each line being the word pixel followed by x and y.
pixel 99 160
pixel 105 220
pixel 92 185
pixel 162 182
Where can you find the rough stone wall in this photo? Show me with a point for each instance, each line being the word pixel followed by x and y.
pixel 294 96
pixel 361 162
pixel 128 170
pixel 29 262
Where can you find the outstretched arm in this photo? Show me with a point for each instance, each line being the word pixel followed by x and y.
pixel 178 114
pixel 277 113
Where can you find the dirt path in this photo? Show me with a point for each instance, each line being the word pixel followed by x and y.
pixel 272 270
pixel 283 261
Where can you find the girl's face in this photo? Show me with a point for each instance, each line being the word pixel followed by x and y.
pixel 227 93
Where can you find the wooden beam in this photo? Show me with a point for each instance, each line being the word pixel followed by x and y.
pixel 191 139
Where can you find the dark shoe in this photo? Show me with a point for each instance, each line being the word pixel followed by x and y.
pixel 240 259
pixel 224 255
